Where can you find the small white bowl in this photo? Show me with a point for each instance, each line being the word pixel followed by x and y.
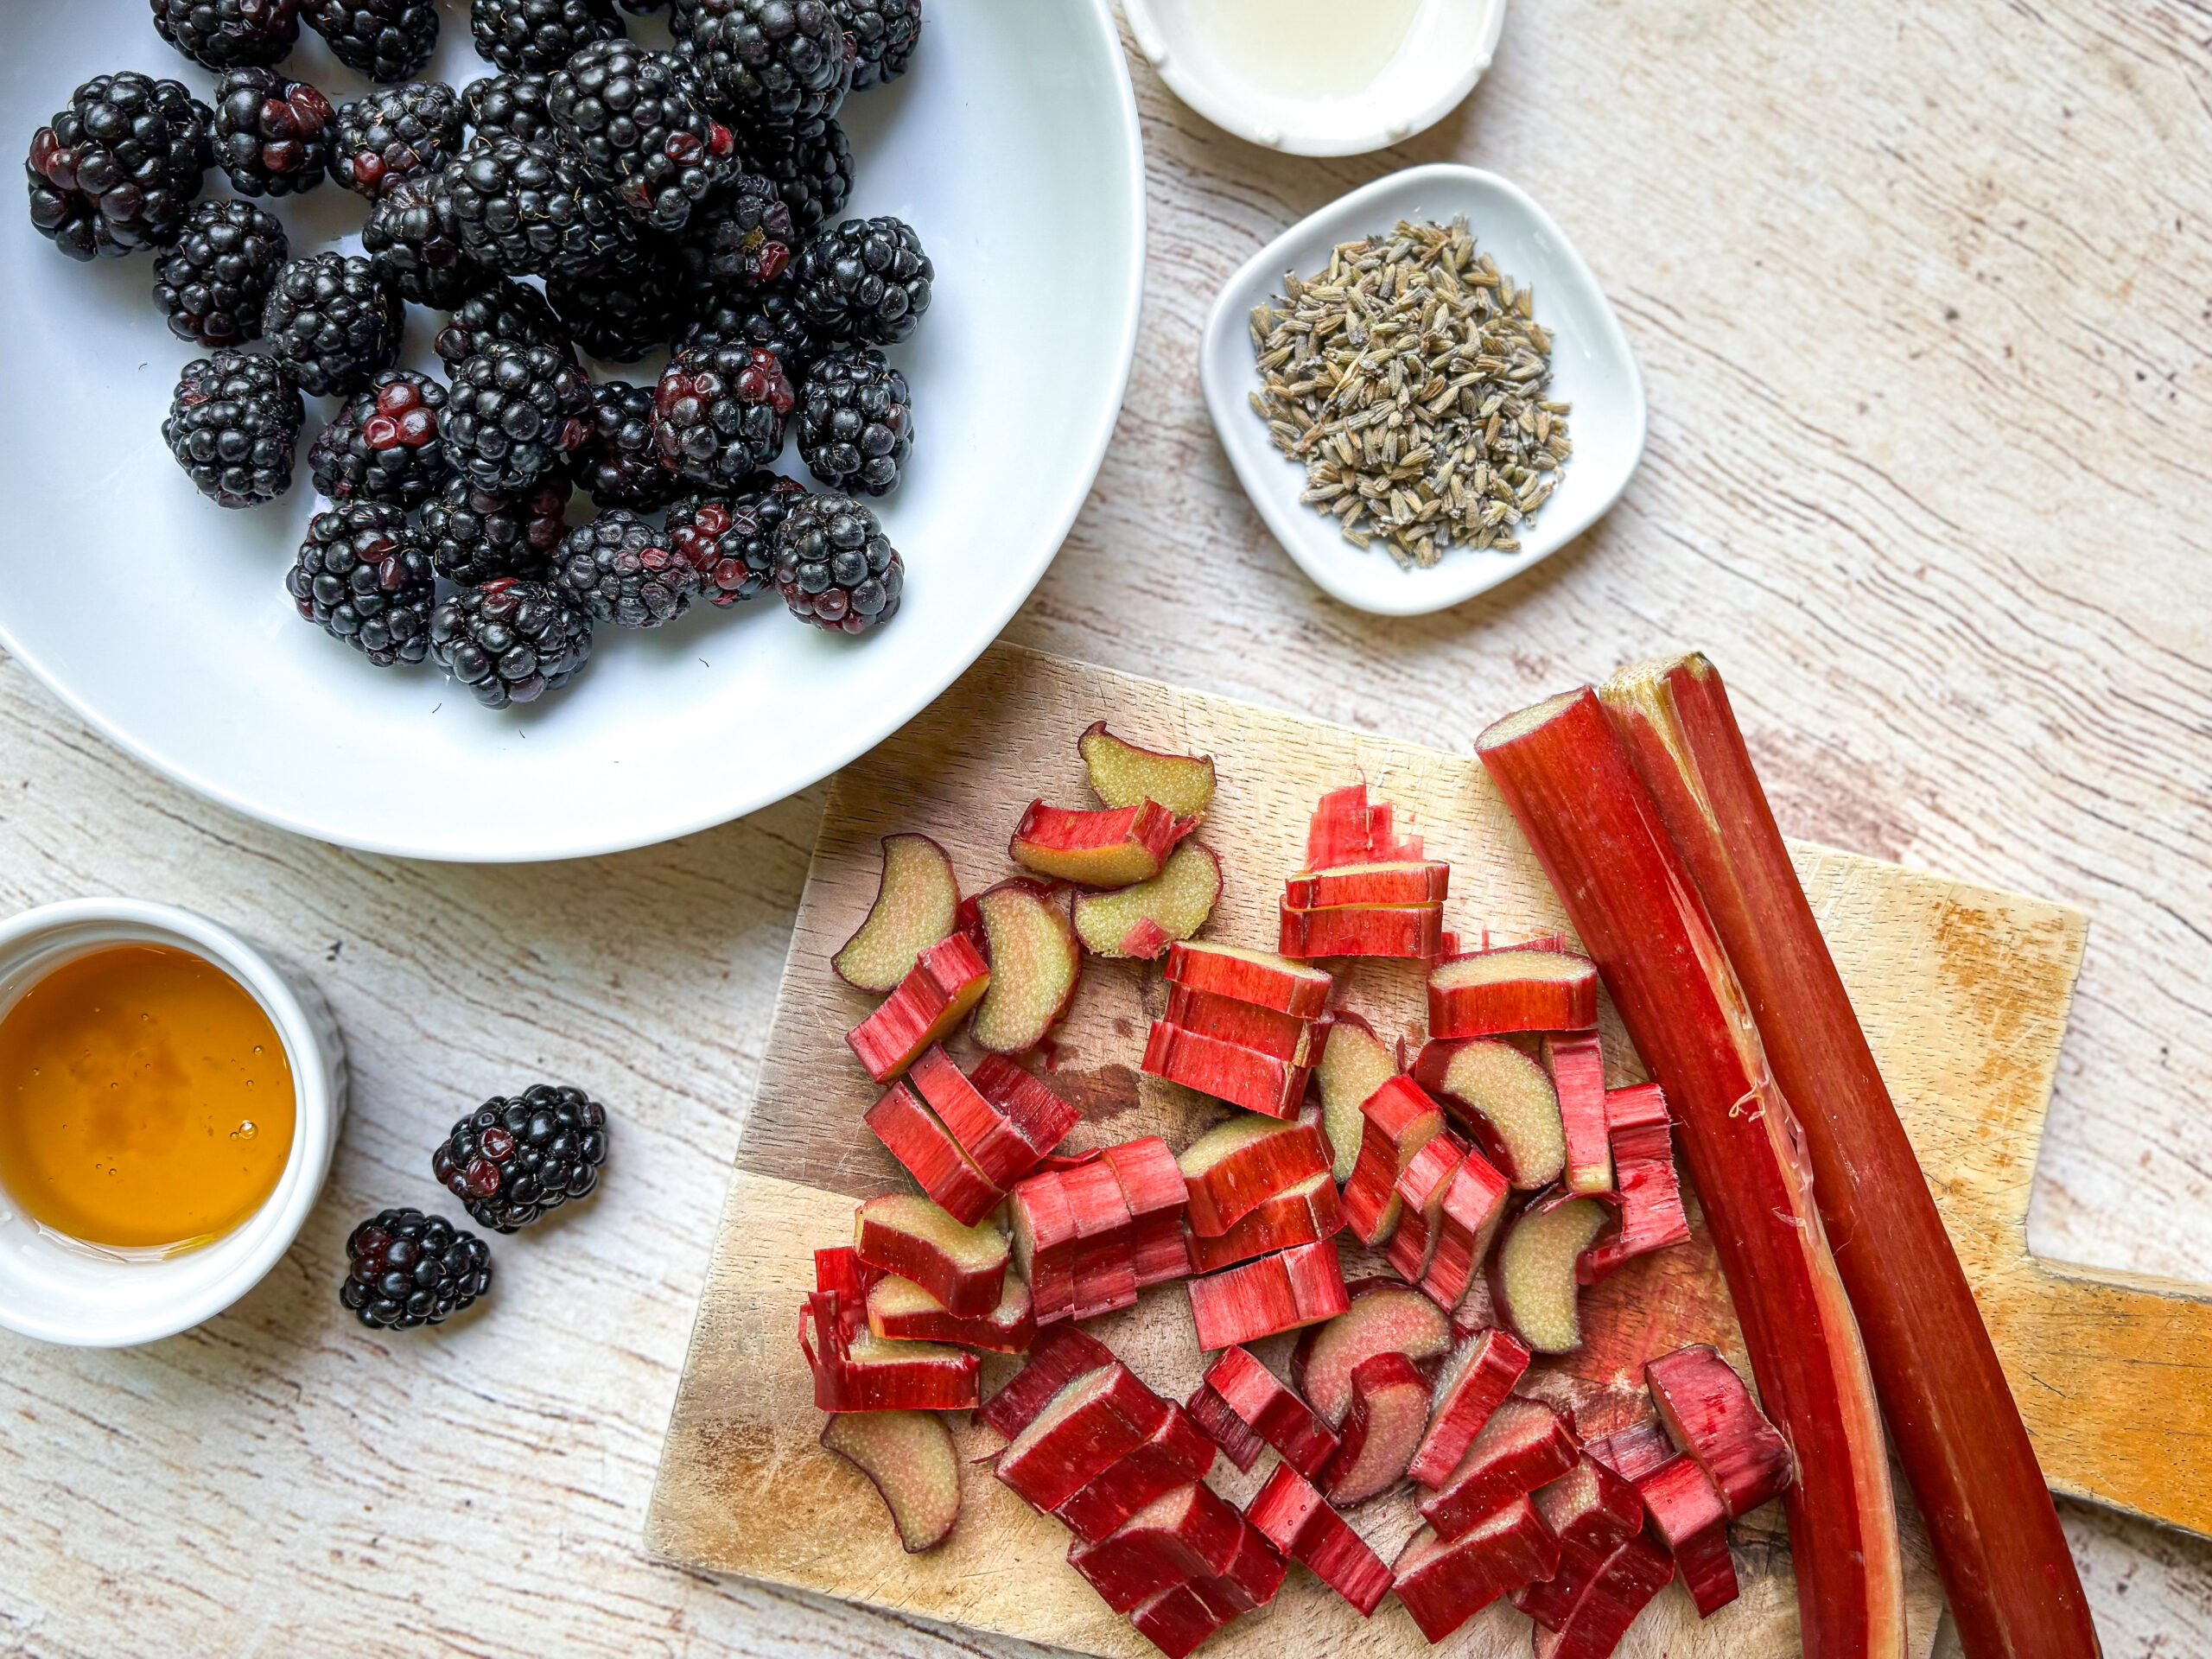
pixel 61 1291
pixel 1448 45
pixel 1593 368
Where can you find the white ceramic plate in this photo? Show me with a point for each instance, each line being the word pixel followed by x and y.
pixel 1012 147
pixel 1592 367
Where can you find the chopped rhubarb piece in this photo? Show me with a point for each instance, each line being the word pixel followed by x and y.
pixel 1525 1444
pixel 1247 1024
pixel 1271 1412
pixel 1384 1318
pixel 1105 1255
pixel 1512 989
pixel 1590 1511
pixel 1413 930
pixel 1605 1601
pixel 915 906
pixel 947 978
pixel 1298 1520
pixel 1236 1167
pixel 1342 831
pixel 1505 1099
pixel 1243 1076
pixel 1082 1430
pixel 1238 1440
pixel 963 1267
pixel 1579 1077
pixel 1275 1293
pixel 1177 1452
pixel 1421 1192
pixel 1003 1147
pixel 1650 1191
pixel 1254 976
pixel 912 1134
pixel 1152 1187
pixel 1426 882
pixel 898 1310
pixel 908 1458
pixel 1474 1205
pixel 1713 1417
pixel 1445 1582
pixel 1035 963
pixel 1122 774
pixel 1635 1452
pixel 861 1372
pixel 1039 1115
pixel 1382 1428
pixel 1400 1120
pixel 1475 1382
pixel 1108 847
pixel 1058 1356
pixel 1254 1575
pixel 1352 1067
pixel 838 1268
pixel 1305 1214
pixel 1043 1226
pixel 1143 919
pixel 1189 1533
pixel 1533 1283
pixel 1317 1281
pixel 1691 1519
pixel 1177 1619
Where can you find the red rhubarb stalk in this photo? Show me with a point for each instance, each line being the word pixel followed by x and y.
pixel 1389 1409
pixel 1591 1511
pixel 1604 1601
pixel 1650 1193
pixel 1079 1434
pixel 1691 1520
pixel 1243 1076
pixel 947 978
pixel 1298 1520
pixel 1246 1024
pixel 858 1371
pixel 1304 1215
pixel 898 1310
pixel 1188 1533
pixel 1177 1452
pixel 1476 1380
pixel 1275 1292
pixel 1474 1205
pixel 1445 1582
pixel 1055 1359
pixel 1405 930
pixel 1525 1444
pixel 1269 1412
pixel 913 1135
pixel 1579 1074
pixel 1711 1414
pixel 1254 976
pixel 1384 1316
pixel 1514 988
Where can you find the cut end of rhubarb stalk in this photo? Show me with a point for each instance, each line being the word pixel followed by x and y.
pixel 898 1310
pixel 1512 989
pixel 1577 1070
pixel 1035 966
pixel 949 978
pixel 1533 1281
pixel 1474 1382
pixel 1110 847
pixel 1144 919
pixel 914 908
pixel 1256 976
pixel 1080 1434
pixel 909 1457
pixel 1178 1452
pixel 1401 1119
pixel 1526 1445
pixel 1124 774
pixel 1382 1428
pixel 1445 1582
pixel 1505 1099
pixel 963 1267
pixel 1711 1414
pixel 1234 1167
pixel 1352 1067
pixel 1057 1358
pixel 1384 1318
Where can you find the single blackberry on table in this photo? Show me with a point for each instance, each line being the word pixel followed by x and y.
pixel 384 40
pixel 213 281
pixel 334 323
pixel 836 567
pixel 221 32
pixel 623 570
pixel 511 640
pixel 363 576
pixel 510 1160
pixel 855 423
pixel 766 63
pixel 630 115
pixel 508 313
pixel 513 413
pixel 395 133
pixel 620 314
pixel 867 279
pixel 477 535
pixel 509 107
pixel 731 538
pixel 410 249
pixel 233 426
pixel 741 234
pixel 616 464
pixel 718 413
pixel 883 34
pixel 539 35
pixel 810 164
pixel 118 169
pixel 272 133
pixel 527 209
pixel 766 316
pixel 404 1268
pixel 384 445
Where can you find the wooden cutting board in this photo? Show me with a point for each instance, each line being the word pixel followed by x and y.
pixel 1964 992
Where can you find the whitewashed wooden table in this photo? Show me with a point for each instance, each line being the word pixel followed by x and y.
pixel 1922 296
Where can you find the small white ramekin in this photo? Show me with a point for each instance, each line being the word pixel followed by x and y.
pixel 59 1291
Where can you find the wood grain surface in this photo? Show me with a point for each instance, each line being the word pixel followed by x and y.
pixel 1920 296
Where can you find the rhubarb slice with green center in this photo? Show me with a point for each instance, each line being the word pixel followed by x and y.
pixel 1533 1281
pixel 1512 989
pixel 1124 774
pixel 914 908
pixel 1384 1318
pixel 1143 919
pixel 1506 1100
pixel 1035 966
pixel 1352 1067
pixel 908 1457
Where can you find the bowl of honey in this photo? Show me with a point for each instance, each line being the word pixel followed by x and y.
pixel 170 1099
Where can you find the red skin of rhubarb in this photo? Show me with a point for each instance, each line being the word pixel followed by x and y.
pixel 971 1291
pixel 1254 1575
pixel 1591 1511
pixel 1041 1202
pixel 1105 1255
pixel 947 978
pixel 1051 836
pixel 1009 1328
pixel 1414 930
pixel 1398 1119
pixel 1084 1444
pixel 1474 1205
pixel 1176 1620
pixel 1389 1405
pixel 1152 1188
pixel 1651 1214
pixel 1317 1281
pixel 1303 1216
pixel 1243 1076
pixel 1248 1177
pixel 1427 882
pixel 1690 1519
pixel 1269 1411
pixel 1604 1603
pixel 1275 1292
pixel 1178 1452
pixel 1384 845
pixel 1342 830
pixel 1056 1359
pixel 912 1134
pixel 1508 1005
pixel 1632 1452
pixel 1285 1036
pixel 1190 1533
pixel 1321 1363
pixel 1711 1416
pixel 1002 1148
pixel 1039 1115
pixel 1298 1521
pixel 1599 835
pixel 1579 1073
pixel 1239 1442
pixel 922 1382
pixel 1443 1584
pixel 838 1268
pixel 1299 991
pixel 1479 1387
pixel 2006 1570
pixel 1525 1444
pixel 1420 1187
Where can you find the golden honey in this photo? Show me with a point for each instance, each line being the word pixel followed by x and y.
pixel 145 1100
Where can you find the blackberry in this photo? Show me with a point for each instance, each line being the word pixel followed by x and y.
pixel 856 424
pixel 766 316
pixel 411 250
pixel 539 35
pixel 477 534
pixel 233 424
pixel 384 444
pixel 399 132
pixel 363 576
pixel 867 280
pixel 630 115
pixel 616 464
pixel 118 169
pixel 384 40
pixel 213 281
pixel 718 413
pixel 883 34
pixel 741 235
pixel 509 641
pixel 512 1160
pixel 513 412
pixel 623 570
pixel 511 106
pixel 221 32
pixel 766 63
pixel 404 1268
pixel 332 322
pixel 621 314
pixel 810 164
pixel 527 208
pixel 510 313
pixel 272 133
pixel 730 539
pixel 836 568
